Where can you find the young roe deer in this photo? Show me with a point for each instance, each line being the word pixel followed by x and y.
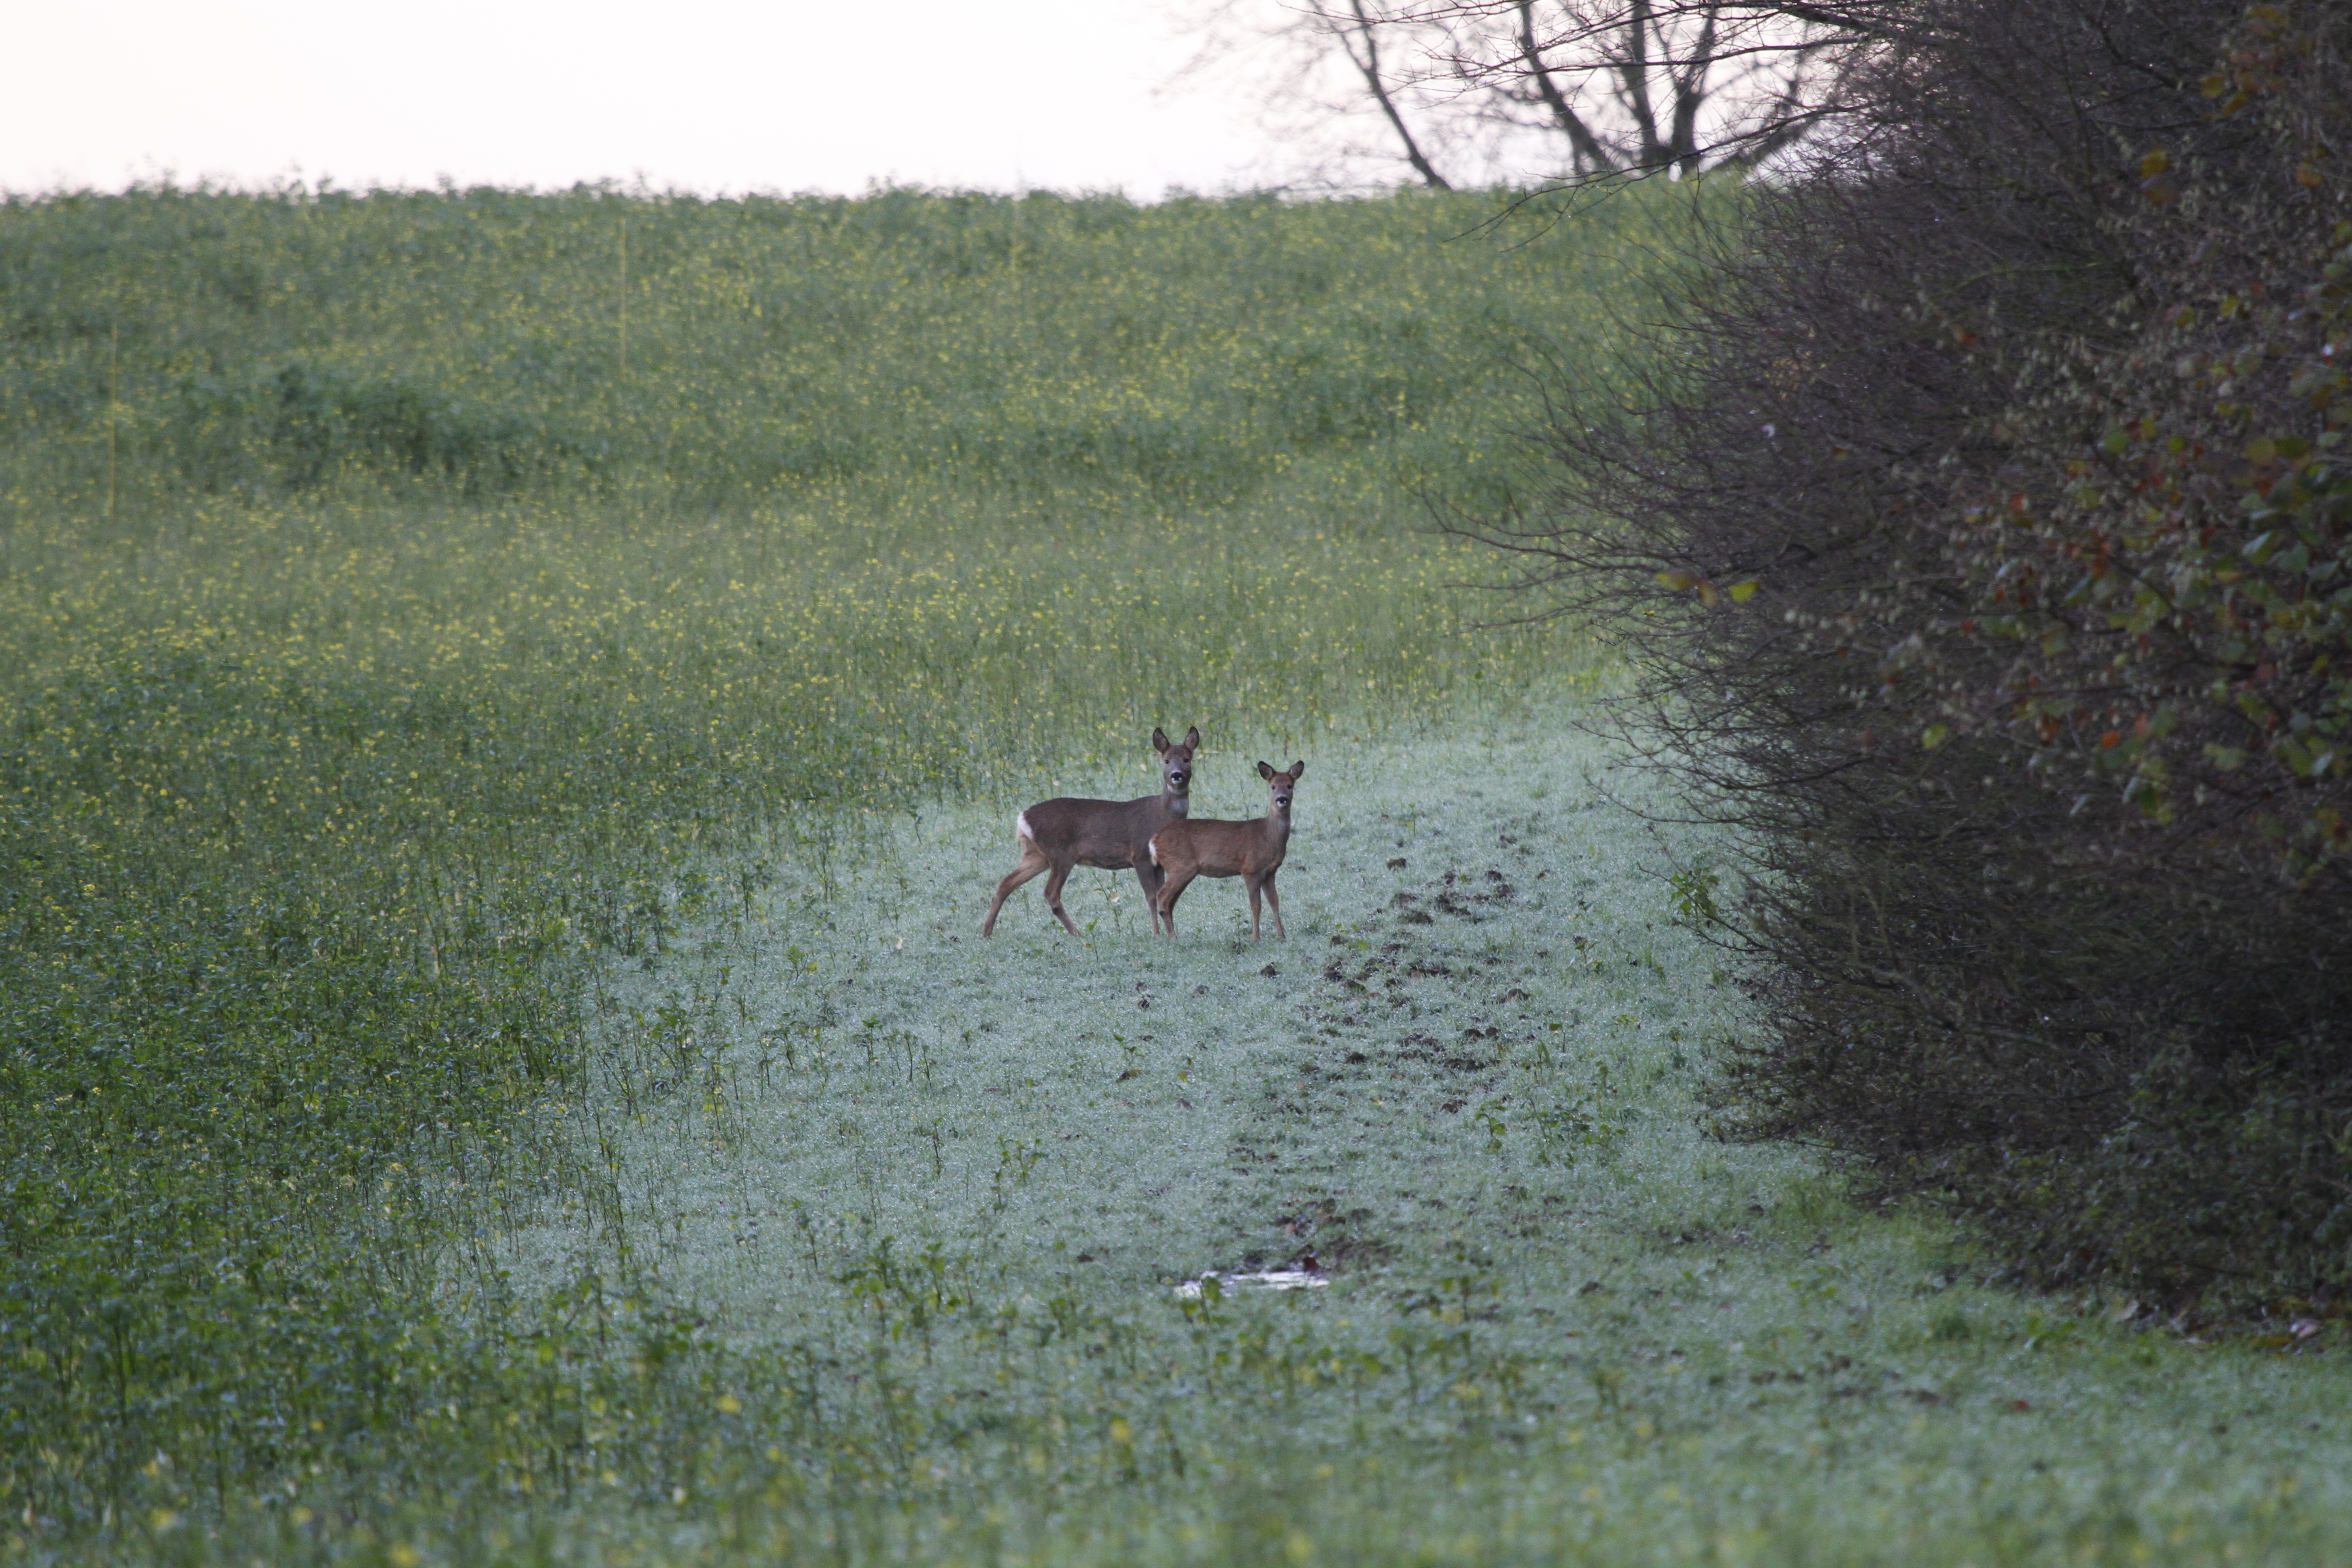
pixel 1115 834
pixel 1250 850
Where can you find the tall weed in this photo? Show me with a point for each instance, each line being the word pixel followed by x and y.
pixel 389 630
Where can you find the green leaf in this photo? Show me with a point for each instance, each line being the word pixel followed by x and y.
pixel 1742 591
pixel 1935 735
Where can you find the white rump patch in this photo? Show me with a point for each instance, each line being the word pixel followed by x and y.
pixel 1021 829
pixel 1152 849
pixel 1265 1279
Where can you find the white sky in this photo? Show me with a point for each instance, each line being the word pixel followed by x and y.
pixel 710 95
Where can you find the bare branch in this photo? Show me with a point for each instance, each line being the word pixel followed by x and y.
pixel 1369 68
pixel 1590 156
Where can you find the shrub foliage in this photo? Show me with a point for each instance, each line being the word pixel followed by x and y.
pixel 1985 552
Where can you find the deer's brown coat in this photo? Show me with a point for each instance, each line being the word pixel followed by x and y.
pixel 1252 851
pixel 1116 834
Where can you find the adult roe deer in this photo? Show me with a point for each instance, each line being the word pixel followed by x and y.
pixel 1114 835
pixel 1250 850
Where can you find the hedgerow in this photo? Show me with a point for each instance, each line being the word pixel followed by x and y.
pixel 1985 555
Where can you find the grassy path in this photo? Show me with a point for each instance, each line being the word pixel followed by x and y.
pixel 1161 1107
pixel 961 1180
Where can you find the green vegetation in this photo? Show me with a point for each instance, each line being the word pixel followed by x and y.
pixel 500 1064
pixel 335 748
pixel 937 1195
pixel 903 353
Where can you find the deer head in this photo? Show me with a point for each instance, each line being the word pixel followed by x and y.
pixel 1280 785
pixel 1176 761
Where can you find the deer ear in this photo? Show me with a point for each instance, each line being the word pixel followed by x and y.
pixel 1296 769
pixel 1264 772
pixel 1192 737
pixel 1159 739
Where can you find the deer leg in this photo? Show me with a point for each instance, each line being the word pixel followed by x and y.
pixel 1054 898
pixel 1032 863
pixel 1252 883
pixel 1273 902
pixel 1170 889
pixel 1151 877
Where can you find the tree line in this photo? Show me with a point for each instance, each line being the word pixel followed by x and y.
pixel 1977 524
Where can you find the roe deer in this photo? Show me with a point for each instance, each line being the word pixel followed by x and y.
pixel 1250 850
pixel 1115 834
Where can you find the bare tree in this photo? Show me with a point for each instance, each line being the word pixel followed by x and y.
pixel 1655 86
pixel 1566 90
pixel 1356 30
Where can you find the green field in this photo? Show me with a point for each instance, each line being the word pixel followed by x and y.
pixel 507 751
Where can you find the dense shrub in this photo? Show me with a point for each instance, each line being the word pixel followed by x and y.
pixel 1984 559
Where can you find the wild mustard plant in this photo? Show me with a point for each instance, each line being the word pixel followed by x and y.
pixel 376 651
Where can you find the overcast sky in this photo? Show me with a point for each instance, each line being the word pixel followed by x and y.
pixel 712 95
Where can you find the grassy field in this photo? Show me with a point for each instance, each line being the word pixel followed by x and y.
pixel 506 749
pixel 904 1216
pixel 936 1196
pixel 339 739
